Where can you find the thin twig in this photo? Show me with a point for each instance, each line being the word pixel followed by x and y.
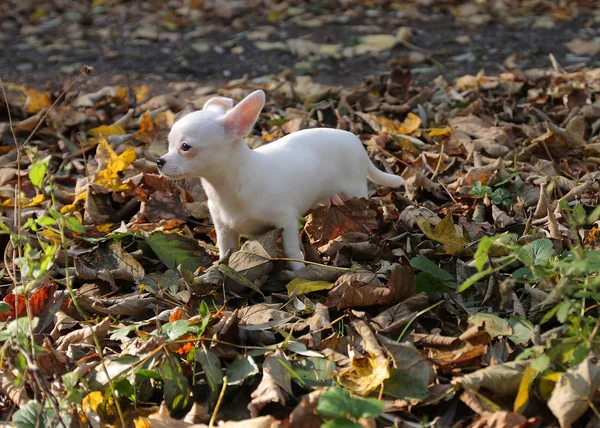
pixel 218 405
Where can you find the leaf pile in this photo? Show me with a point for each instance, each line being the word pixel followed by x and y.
pixel 471 297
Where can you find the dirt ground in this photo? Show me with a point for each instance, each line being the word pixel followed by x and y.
pixel 154 43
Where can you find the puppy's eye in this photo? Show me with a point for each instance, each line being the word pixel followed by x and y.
pixel 185 147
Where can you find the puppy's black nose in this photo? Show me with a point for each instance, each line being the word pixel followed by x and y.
pixel 160 162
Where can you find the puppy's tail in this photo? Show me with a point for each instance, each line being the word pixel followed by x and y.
pixel 383 178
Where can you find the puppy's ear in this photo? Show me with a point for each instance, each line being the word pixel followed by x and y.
pixel 219 104
pixel 239 121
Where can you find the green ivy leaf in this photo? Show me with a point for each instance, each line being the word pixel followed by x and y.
pixel 174 330
pixel 30 416
pixel 537 252
pixel 241 369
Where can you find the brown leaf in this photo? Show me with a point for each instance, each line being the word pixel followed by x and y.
pixel 327 223
pixel 303 414
pixel 393 319
pixel 574 390
pixel 275 382
pixel 503 379
pixel 360 289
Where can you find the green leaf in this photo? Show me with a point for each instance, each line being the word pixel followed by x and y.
pixel 70 380
pixel 125 389
pixel 174 330
pixel 45 221
pixel 212 369
pixel 144 374
pixel 341 423
pixel 278 121
pixel 238 277
pixel 500 196
pixel 404 386
pixel 74 224
pixel 175 385
pixel 483 249
pixel 204 313
pixel 523 273
pixel 493 324
pixel 338 402
pixel 537 252
pixel 479 190
pixel 429 284
pixel 122 332
pixel 425 265
pixel 37 172
pixel 241 369
pixel 4 230
pixel 541 363
pixel 313 372
pixel 564 309
pixel 174 250
pixel 579 214
pixel 304 286
pixel 522 330
pixel 30 416
pixel 4 307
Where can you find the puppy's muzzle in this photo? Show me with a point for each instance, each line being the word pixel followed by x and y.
pixel 160 162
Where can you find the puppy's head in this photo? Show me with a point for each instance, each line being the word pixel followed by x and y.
pixel 201 143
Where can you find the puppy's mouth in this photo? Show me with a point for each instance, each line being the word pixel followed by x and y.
pixel 173 177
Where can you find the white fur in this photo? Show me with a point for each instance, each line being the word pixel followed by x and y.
pixel 251 191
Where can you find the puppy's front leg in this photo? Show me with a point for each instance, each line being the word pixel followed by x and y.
pixel 291 243
pixel 226 238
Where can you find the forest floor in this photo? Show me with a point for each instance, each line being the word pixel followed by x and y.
pixel 468 298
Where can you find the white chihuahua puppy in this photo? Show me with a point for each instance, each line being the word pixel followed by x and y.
pixel 252 191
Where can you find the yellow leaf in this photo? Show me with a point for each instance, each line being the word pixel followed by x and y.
pixel 140 92
pixel 387 124
pixel 523 395
pixel 141 422
pixel 165 118
pixel 445 233
pixel 121 93
pixel 36 101
pixel 365 375
pixel 146 125
pixel 38 14
pixel 303 286
pixel 115 164
pixel 90 402
pixel 273 15
pixel 107 130
pixel 268 137
pixel 410 124
pixel 438 132
pixel 73 207
pixel 24 202
pixel 106 228
pixel 52 236
pixel 547 384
